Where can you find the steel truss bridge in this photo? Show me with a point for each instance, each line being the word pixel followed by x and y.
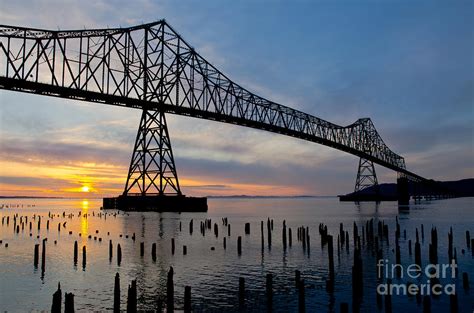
pixel 152 68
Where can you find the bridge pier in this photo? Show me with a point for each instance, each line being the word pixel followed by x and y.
pixel 366 176
pixel 366 185
pixel 152 181
pixel 403 192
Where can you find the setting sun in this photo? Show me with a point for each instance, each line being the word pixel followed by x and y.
pixel 85 189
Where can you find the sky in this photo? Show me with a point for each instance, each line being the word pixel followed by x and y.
pixel 408 65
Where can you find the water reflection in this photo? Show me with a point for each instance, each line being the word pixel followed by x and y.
pixel 212 274
pixel 84 220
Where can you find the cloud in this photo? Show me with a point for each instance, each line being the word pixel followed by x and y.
pixel 208 186
pixel 420 138
pixel 30 181
pixel 52 152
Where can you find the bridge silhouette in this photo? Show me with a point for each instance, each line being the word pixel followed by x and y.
pixel 152 68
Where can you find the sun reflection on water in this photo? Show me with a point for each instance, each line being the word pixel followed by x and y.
pixel 84 220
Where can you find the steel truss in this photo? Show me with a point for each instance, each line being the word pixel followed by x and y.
pixel 152 169
pixel 366 176
pixel 151 67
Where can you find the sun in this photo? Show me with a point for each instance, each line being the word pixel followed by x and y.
pixel 85 189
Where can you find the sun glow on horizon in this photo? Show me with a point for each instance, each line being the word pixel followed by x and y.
pixel 85 189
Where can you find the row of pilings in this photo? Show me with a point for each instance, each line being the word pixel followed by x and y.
pixel 370 235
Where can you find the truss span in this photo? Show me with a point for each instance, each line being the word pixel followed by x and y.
pixel 151 67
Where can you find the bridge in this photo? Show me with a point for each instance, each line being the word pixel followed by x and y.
pixel 152 68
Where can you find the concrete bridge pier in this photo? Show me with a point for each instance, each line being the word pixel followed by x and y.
pixel 403 192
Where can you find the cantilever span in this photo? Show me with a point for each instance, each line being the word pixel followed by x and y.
pixel 151 67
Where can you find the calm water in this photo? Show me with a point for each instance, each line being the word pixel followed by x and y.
pixel 214 275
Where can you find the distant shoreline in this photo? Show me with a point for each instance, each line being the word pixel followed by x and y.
pixel 210 197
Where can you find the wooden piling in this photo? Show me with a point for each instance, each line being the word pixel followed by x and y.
pixel 355 233
pixel 269 239
pixel 289 237
pixel 43 256
pixel 185 250
pixel 110 250
pixel 191 227
pixel 170 292
pixel 398 260
pixel 216 230
pixel 57 300
pixel 284 235
pixel 69 302
pixel 347 240
pixel 418 254
pixel 36 256
pixel 153 252
pixel 341 233
pixel 303 237
pixel 187 299
pixel 75 253
pixel 468 239
pixel 269 288
pixel 297 278
pixel 426 304
pixel 450 245
pixel 357 278
pixel 228 230
pixel 117 293
pixel 397 229
pixel 132 297
pixel 388 297
pixel 172 246
pixel 308 245
pixel 239 245
pixel 142 249
pixel 84 257
pixel 338 248
pixel 344 307
pixel 330 286
pixel 453 303
pixel 241 291
pixel 225 243
pixel 378 299
pixel 301 297
pixel 247 228
pixel 119 254
pixel 465 281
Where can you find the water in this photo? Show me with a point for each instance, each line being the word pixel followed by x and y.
pixel 214 275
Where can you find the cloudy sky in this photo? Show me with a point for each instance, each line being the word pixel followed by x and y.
pixel 408 65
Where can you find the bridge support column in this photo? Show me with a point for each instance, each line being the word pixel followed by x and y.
pixel 152 168
pixel 403 192
pixel 152 181
pixel 366 176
